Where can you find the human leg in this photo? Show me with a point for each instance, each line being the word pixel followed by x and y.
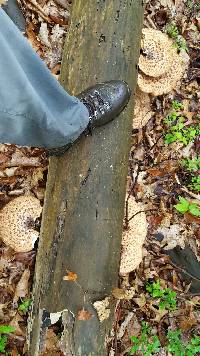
pixel 34 108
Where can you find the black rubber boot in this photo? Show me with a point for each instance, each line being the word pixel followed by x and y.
pixel 104 103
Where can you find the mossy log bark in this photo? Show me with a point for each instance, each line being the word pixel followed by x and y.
pixel 84 204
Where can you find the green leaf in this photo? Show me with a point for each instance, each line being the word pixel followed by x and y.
pixel 181 208
pixel 195 340
pixel 134 349
pixel 3 342
pixel 25 305
pixel 179 135
pixel 176 105
pixel 194 210
pixel 169 138
pixel 162 305
pixel 191 164
pixel 183 201
pixel 6 329
pixel 134 339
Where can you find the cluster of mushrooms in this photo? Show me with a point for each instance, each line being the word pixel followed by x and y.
pixel 161 68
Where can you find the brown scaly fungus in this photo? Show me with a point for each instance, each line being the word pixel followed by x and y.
pixel 142 109
pixel 160 77
pixel 133 238
pixel 17 220
pixel 156 53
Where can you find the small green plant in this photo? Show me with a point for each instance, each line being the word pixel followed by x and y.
pixel 172 30
pixel 191 164
pixel 184 206
pixel 146 343
pixel 175 344
pixel 178 348
pixel 4 329
pixel 179 131
pixel 155 289
pixel 192 5
pixel 194 183
pixel 194 346
pixel 166 296
pixel 24 306
pixel 3 343
pixel 179 41
pixel 173 118
pixel 149 344
pixel 176 105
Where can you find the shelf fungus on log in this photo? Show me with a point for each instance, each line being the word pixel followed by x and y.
pixel 142 109
pixel 133 238
pixel 156 53
pixel 161 66
pixel 17 220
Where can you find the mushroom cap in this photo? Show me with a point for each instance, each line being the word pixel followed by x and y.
pixel 157 53
pixel 142 109
pixel 167 82
pixel 17 223
pixel 133 238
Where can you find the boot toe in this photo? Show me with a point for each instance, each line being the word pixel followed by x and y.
pixel 105 101
pixel 118 94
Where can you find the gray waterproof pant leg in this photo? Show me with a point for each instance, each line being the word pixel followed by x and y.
pixel 34 108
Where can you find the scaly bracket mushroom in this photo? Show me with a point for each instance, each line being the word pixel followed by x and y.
pixel 133 238
pixel 17 220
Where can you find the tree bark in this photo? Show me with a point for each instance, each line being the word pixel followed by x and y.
pixel 84 203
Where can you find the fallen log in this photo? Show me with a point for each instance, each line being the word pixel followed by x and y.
pixel 84 203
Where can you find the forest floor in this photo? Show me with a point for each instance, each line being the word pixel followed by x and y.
pixel 158 303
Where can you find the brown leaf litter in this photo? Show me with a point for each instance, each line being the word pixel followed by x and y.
pixel 153 185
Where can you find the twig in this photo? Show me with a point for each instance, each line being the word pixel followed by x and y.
pixel 123 326
pixel 193 195
pixel 135 181
pixel 156 143
pixel 126 351
pixel 40 10
pixel 139 212
pixel 184 271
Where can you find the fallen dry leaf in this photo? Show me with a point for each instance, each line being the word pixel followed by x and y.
pixel 14 352
pixel 38 175
pixel 15 323
pixel 140 300
pixel 187 323
pixel 159 313
pixel 191 218
pixel 196 300
pixel 84 315
pixel 20 159
pixel 51 344
pixel 71 276
pixel 22 287
pixel 126 293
